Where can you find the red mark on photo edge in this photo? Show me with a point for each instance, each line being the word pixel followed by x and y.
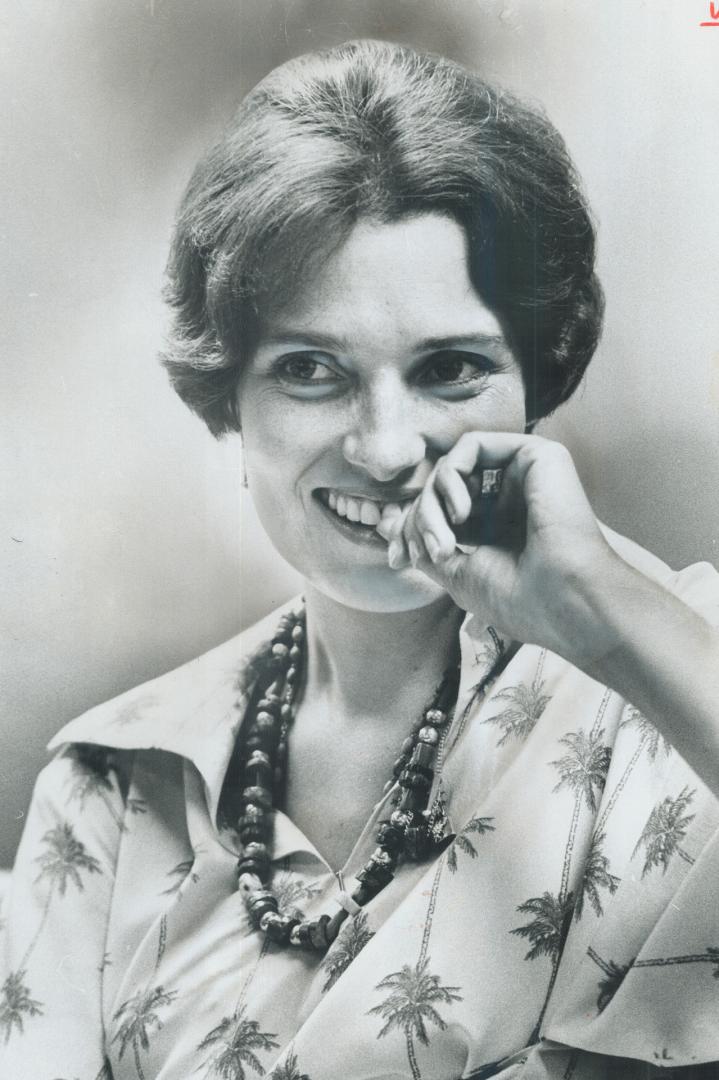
pixel 713 15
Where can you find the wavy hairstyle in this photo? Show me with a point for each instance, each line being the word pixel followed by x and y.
pixel 374 130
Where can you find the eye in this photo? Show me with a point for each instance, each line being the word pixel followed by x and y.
pixel 453 368
pixel 307 373
pixel 305 368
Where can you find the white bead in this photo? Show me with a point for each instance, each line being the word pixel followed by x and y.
pixel 248 883
pixel 351 906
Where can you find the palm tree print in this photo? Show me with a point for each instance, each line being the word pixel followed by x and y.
pixel 355 935
pixel 526 705
pixel 492 651
pixel 651 739
pixel 666 827
pixel 410 1006
pixel 288 1070
pixel 595 876
pixel 615 973
pixel 548 928
pixel 478 825
pixel 91 767
pixel 16 1004
pixel 180 872
pixel 235 1040
pixel 138 1016
pixel 64 858
pixel 585 765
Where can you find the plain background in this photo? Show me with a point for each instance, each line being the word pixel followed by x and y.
pixel 127 545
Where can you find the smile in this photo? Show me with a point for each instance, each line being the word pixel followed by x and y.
pixel 359 509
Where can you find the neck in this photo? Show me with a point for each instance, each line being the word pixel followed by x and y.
pixel 362 663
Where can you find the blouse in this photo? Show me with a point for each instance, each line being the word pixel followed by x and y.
pixel 569 929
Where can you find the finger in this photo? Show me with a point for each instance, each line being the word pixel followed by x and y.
pixel 398 554
pixel 453 489
pixel 391 515
pixel 492 449
pixel 429 519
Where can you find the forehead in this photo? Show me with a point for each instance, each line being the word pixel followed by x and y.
pixel 395 282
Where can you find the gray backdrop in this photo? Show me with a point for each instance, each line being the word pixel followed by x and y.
pixel 127 546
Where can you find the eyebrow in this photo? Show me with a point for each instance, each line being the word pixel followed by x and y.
pixel 431 344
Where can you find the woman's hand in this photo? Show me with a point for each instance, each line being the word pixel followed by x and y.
pixel 530 557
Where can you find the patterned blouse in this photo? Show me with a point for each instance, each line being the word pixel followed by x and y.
pixel 570 929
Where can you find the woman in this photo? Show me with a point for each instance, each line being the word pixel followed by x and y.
pixel 410 825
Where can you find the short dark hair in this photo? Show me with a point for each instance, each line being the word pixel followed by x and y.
pixel 374 130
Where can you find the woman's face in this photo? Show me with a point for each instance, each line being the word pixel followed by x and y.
pixel 357 387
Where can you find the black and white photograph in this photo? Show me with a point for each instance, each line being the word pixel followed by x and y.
pixel 360 443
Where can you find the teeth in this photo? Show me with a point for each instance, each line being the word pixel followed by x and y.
pixel 364 511
pixel 369 513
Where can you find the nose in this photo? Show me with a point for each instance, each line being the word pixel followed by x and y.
pixel 386 438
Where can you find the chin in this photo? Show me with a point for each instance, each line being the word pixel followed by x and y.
pixel 385 593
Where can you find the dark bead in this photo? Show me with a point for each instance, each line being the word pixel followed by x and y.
pixel 295 654
pixel 413 780
pixel 303 934
pixel 280 928
pixel 250 833
pixel 418 842
pixel 270 705
pixel 412 800
pixel 254 866
pixel 390 836
pixel 255 741
pixel 423 755
pixel 407 747
pixel 318 932
pixel 259 903
pixel 260 796
pixel 362 894
pixel 335 924
pixel 398 766
pixel 375 876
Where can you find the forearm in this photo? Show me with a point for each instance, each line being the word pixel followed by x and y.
pixel 630 633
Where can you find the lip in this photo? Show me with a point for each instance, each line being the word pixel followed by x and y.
pixel 363 535
pixel 385 496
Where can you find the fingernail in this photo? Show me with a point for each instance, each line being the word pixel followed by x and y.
pixel 432 545
pixel 413 552
pixel 394 554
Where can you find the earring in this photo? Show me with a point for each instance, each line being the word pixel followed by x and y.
pixel 244 476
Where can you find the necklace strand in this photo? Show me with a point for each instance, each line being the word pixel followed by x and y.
pixel 407 833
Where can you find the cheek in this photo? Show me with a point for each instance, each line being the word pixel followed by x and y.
pixel 500 408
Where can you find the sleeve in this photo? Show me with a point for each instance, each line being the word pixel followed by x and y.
pixel 56 915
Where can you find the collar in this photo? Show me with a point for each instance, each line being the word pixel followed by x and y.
pixel 196 710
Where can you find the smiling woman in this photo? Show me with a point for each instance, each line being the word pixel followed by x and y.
pixel 453 813
pixel 356 388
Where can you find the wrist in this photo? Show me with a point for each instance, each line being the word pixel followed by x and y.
pixel 593 617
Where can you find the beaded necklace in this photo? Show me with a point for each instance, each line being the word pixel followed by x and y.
pixel 406 833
